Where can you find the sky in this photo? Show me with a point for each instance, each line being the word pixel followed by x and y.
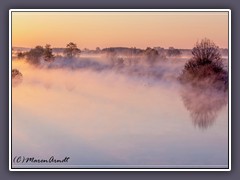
pixel 119 29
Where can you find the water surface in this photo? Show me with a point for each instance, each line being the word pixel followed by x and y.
pixel 108 119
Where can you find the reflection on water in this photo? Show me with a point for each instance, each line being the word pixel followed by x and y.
pixel 203 104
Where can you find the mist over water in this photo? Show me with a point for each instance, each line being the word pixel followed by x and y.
pixel 100 114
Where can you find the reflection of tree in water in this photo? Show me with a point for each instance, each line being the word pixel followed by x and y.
pixel 203 104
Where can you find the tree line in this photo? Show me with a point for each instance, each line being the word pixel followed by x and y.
pixel 205 66
pixel 46 53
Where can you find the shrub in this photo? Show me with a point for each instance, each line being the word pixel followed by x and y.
pixel 17 77
pixel 205 68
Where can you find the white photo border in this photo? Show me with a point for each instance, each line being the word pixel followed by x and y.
pixel 119 169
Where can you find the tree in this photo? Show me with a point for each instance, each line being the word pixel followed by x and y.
pixel 205 67
pixel 72 50
pixel 173 52
pixel 151 55
pixel 206 52
pixel 119 62
pixel 48 55
pixel 161 53
pixel 34 55
pixel 17 77
pixel 21 55
pixel 98 49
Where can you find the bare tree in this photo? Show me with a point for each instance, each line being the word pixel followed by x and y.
pixel 205 67
pixel 206 51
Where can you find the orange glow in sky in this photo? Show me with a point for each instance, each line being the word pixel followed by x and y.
pixel 114 29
